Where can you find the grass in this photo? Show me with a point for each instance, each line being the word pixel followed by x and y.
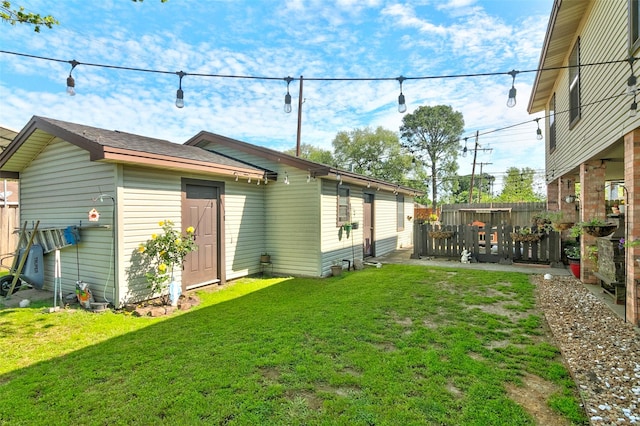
pixel 398 345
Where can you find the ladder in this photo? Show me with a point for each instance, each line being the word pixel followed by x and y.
pixel 54 238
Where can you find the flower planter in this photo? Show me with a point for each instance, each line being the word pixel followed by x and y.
pixel 562 226
pixel 336 270
pixel 441 235
pixel 600 231
pixel 265 258
pixel 574 266
pixel 525 237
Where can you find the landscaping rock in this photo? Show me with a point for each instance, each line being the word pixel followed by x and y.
pixel 601 351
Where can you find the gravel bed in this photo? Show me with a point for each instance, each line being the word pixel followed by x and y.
pixel 599 348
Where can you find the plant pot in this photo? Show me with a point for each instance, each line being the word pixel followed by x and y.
pixel 574 266
pixel 525 237
pixel 265 258
pixel 441 235
pixel 336 270
pixel 562 226
pixel 600 231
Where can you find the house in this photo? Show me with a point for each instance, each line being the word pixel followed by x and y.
pixel 242 199
pixel 593 136
pixel 9 205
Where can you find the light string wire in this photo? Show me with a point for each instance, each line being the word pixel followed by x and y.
pixel 488 74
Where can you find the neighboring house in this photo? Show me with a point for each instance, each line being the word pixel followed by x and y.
pixel 242 199
pixel 593 137
pixel 9 206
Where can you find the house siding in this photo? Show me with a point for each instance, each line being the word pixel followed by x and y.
pixel 150 197
pixel 603 37
pixel 335 244
pixel 58 188
pixel 292 242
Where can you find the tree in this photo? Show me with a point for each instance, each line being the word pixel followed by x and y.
pixel 376 153
pixel 518 186
pixel 432 135
pixel 19 16
pixel 312 153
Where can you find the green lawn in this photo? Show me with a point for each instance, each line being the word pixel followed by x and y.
pixel 399 345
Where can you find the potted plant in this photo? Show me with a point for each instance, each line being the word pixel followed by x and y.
pixel 559 223
pixel 525 234
pixel 573 256
pixel 598 227
pixel 265 258
pixel 163 252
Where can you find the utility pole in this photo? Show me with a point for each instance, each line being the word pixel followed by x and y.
pixel 480 186
pixel 473 168
pixel 299 119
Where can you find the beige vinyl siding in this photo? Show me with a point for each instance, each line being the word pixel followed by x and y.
pixel 293 223
pixel 147 197
pixel 335 244
pixel 150 197
pixel 603 37
pixel 58 188
pixel 387 237
pixel 291 216
pixel 244 227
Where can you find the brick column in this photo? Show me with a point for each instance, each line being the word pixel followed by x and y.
pixel 566 187
pixel 632 212
pixel 592 180
pixel 553 199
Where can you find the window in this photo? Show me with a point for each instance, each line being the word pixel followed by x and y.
pixel 400 211
pixel 634 25
pixel 574 85
pixel 344 210
pixel 552 123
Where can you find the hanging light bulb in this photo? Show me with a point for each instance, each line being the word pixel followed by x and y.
pixel 631 85
pixel 539 131
pixel 236 173
pixel 71 83
pixel 632 81
pixel 287 97
pixel 402 105
pixel 286 178
pixel 511 102
pixel 464 150
pixel 634 108
pixel 180 93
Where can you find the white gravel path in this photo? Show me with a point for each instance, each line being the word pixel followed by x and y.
pixel 600 349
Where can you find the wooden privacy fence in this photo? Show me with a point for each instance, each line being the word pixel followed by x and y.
pixel 497 245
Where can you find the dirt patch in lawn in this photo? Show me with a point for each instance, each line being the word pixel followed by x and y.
pixel 532 396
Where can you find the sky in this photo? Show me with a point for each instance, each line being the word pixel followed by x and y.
pixel 357 48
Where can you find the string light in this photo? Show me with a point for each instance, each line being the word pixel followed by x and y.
pixel 539 131
pixel 180 93
pixel 634 107
pixel 631 81
pixel 512 92
pixel 71 83
pixel 402 106
pixel 286 178
pixel 236 174
pixel 287 97
pixel 465 149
